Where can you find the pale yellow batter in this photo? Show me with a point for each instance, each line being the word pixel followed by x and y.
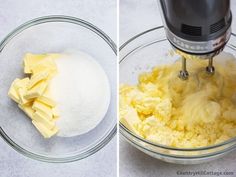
pixel 197 112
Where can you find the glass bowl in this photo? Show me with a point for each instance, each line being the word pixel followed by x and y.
pixel 140 54
pixel 54 34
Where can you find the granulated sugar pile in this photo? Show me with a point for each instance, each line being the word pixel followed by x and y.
pixel 82 91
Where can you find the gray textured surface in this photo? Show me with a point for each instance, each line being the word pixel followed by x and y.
pixel 14 13
pixel 137 16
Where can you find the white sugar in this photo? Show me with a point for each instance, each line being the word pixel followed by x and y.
pixel 82 92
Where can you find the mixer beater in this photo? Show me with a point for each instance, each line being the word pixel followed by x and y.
pixel 197 28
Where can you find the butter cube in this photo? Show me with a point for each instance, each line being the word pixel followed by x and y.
pixel 47 133
pixel 46 64
pixel 21 93
pixel 37 116
pixel 17 90
pixel 20 86
pixel 12 93
pixel 30 60
pixel 36 78
pixel 21 83
pixel 39 106
pixel 48 116
pixel 37 90
pixel 46 99
pixel 130 118
pixel 27 109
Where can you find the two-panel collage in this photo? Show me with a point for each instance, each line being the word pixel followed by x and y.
pixel 117 88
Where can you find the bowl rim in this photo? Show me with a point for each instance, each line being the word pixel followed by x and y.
pixel 126 130
pixel 103 140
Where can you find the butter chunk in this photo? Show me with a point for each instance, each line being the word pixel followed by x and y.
pixel 21 89
pixel 129 118
pixel 17 90
pixel 46 64
pixel 46 98
pixel 21 93
pixel 47 133
pixel 39 117
pixel 38 106
pixel 36 78
pixel 36 91
pixel 12 93
pixel 48 116
pixel 21 83
pixel 30 60
pixel 27 109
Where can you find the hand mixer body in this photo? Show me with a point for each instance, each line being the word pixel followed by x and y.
pixel 197 27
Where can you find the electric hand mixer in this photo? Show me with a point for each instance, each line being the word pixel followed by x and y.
pixel 197 27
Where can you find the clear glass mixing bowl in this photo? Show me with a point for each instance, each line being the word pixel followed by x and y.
pixel 49 35
pixel 140 54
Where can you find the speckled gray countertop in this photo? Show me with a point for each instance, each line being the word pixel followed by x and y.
pixel 137 16
pixel 12 14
